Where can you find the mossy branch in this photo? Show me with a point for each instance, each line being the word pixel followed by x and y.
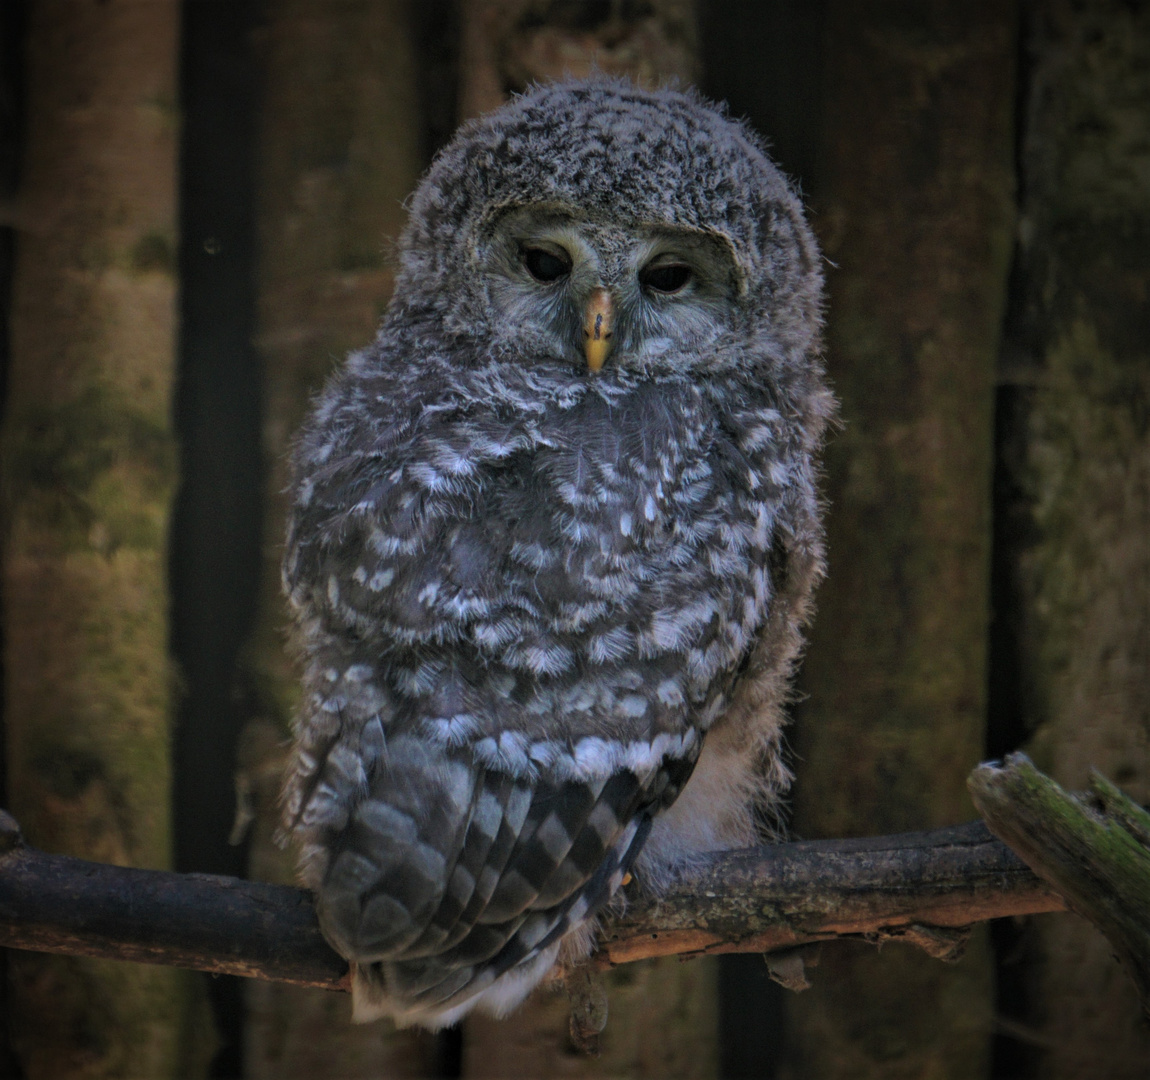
pixel 923 888
pixel 1093 848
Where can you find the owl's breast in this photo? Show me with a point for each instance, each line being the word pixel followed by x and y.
pixel 602 561
pixel 639 533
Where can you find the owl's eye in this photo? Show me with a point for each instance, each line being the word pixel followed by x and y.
pixel 665 277
pixel 546 266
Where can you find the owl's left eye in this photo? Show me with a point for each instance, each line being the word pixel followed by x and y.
pixel 667 277
pixel 545 265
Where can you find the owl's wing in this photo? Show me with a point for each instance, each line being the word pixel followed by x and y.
pixel 437 874
pixel 449 875
pixel 517 631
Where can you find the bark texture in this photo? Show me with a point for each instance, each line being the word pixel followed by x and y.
pixel 1078 468
pixel 88 479
pixel 915 214
pixel 340 149
pixel 1093 848
pixel 922 888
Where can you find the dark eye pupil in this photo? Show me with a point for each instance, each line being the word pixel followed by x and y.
pixel 668 278
pixel 545 265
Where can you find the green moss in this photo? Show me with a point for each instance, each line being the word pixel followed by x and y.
pixel 94 470
pixel 1087 421
pixel 1094 850
pixel 89 760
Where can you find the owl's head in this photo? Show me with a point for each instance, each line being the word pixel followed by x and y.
pixel 612 229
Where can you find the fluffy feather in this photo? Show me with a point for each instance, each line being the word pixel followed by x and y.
pixel 532 600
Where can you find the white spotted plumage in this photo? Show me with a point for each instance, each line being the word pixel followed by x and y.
pixel 532 598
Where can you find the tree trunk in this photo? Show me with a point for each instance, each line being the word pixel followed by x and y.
pixel 89 470
pixel 1077 466
pixel 505 47
pixel 340 149
pixel 509 44
pixel 914 212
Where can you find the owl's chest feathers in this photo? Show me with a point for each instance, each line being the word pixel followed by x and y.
pixel 602 567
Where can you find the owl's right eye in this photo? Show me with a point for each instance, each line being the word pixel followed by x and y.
pixel 545 265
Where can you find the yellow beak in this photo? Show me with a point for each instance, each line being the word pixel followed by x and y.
pixel 597 328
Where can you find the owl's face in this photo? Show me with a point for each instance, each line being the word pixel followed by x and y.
pixel 607 233
pixel 597 293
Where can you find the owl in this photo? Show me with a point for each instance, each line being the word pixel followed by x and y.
pixel 552 543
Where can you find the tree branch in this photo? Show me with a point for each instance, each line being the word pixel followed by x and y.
pixel 918 887
pixel 913 886
pixel 225 925
pixel 1093 847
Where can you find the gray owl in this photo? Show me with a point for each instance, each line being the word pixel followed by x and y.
pixel 552 543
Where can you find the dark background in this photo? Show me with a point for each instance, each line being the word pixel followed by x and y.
pixel 977 174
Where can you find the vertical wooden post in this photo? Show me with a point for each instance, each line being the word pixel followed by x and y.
pixel 88 473
pixel 1077 470
pixel 341 147
pixel 915 214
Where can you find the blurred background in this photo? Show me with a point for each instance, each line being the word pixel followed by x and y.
pixel 198 205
